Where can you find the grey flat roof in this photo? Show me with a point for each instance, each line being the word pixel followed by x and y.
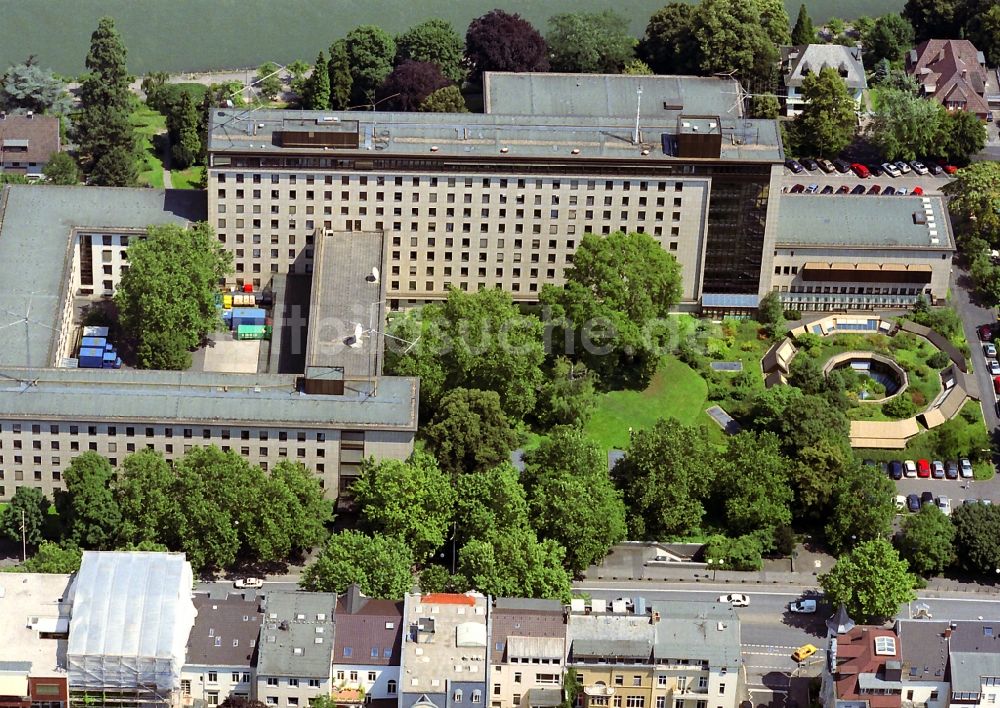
pixel 294 650
pixel 602 95
pixel 477 136
pixel 345 297
pixel 862 221
pixel 208 398
pixel 36 222
pixel 698 630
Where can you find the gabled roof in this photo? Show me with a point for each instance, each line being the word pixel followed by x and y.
pixel 526 628
pixel 372 628
pixel 975 654
pixel 803 60
pixel 38 136
pixel 954 68
pixel 225 631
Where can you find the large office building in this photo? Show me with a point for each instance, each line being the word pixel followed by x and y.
pixel 501 199
pixel 64 248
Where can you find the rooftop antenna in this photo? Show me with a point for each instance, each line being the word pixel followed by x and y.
pixel 25 319
pixel 638 107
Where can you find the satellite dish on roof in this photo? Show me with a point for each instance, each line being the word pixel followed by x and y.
pixel 373 278
pixel 354 341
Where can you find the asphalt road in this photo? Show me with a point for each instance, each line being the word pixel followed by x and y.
pixel 973 315
pixel 929 183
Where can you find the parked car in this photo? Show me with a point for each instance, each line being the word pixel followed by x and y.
pixel 909 468
pixel 937 469
pixel 994 366
pixel 896 469
pixel 888 191
pixel 951 469
pixel 900 502
pixel 913 502
pixel 944 504
pixel 926 498
pixel 923 468
pixel 891 169
pixel 812 189
pixel 802 607
pixel 736 599
pixel 985 332
pixel 803 653
pixel 996 384
pixel 935 168
pixel 860 170
pixel 843 189
pixel 842 166
pixel 948 169
pixel 901 191
pixel 966 467
pixel 859 189
pixel 809 163
pixel 874 189
pixel 990 349
pixel 794 166
pixel 986 502
pixel 918 191
pixel 249 583
pixel 876 170
pixel 797 189
pixel 919 168
pixel 828 189
pixel 826 165
pixel 903 167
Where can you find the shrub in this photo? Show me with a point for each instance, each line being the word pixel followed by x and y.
pixel 903 340
pixel 918 398
pixel 809 342
pixel 793 315
pixel 899 407
pixel 938 360
pixel 742 553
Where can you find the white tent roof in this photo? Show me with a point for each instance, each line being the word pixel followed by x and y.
pixel 132 613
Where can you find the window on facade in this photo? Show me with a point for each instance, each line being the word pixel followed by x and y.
pixel 619 680
pixel 635 702
pixel 186 687
pixel 272 681
pixel 213 677
pixel 457 697
pixel 213 698
pixel 293 682
pixel 371 677
pixel 313 683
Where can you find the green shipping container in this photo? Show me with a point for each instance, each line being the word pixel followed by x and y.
pixel 253 332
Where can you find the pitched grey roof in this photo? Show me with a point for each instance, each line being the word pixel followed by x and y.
pixel 625 648
pixel 924 650
pixel 372 629
pixel 803 60
pixel 225 631
pixel 297 638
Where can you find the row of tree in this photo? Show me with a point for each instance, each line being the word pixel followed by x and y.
pixel 215 506
pixel 974 195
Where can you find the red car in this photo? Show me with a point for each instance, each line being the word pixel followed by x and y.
pixel 985 332
pixel 860 170
pixel 949 169
pixel 917 191
pixel 996 384
pixel 923 468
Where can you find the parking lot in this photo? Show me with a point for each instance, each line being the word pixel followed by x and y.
pixel 929 183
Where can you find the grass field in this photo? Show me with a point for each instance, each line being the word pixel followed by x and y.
pixel 192 35
pixel 187 179
pixel 148 123
pixel 676 391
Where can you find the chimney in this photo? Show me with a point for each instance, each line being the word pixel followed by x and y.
pixel 947 633
pixel 655 617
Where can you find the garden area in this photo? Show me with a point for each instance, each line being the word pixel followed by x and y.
pixel 149 124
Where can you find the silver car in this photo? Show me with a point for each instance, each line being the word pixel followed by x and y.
pixel 994 366
pixel 965 468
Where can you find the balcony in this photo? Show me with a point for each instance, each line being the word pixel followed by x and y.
pixel 599 689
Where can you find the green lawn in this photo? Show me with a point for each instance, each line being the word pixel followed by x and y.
pixel 676 391
pixel 148 123
pixel 187 179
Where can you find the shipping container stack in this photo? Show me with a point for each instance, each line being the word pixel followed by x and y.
pixel 96 352
pixel 242 316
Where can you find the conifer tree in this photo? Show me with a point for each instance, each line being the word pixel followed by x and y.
pixel 317 93
pixel 184 133
pixel 339 71
pixel 803 32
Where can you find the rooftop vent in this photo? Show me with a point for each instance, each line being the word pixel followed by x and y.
pixel 919 217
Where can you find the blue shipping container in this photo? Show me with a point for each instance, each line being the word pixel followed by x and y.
pixel 91 358
pixel 248 316
pixel 93 343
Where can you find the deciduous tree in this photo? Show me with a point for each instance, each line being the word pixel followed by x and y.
pixel 448 99
pixel 54 558
pixel 964 134
pixel 765 105
pixel 741 36
pixel 268 80
pixel 470 432
pixel 637 67
pixel 489 504
pixel 567 397
pixel 380 565
pixel 863 508
pixel 668 45
pixel 871 581
pixel 889 37
pixel 435 41
pixel 934 18
pixel 145 489
pixel 370 54
pixel 306 511
pixel 752 484
pixel 500 41
pixel 927 541
pixel 572 499
pixel 589 42
pixel 827 123
pixel 977 528
pixel 515 564
pixel 409 85
pixel 89 511
pixel 61 169
pixel 413 501
pixel 975 193
pixel 906 126
pixel 166 299
pixel 27 509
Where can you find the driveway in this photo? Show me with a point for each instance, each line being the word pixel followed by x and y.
pixel 930 183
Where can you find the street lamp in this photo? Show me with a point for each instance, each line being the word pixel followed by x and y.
pixel 715 567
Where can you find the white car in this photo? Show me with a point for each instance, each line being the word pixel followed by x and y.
pixel 735 599
pixel 803 607
pixel 249 583
pixel 919 168
pixel 944 504
pixel 891 169
pixel 965 468
pixel 994 367
pixel 902 192
pixel 900 502
pixel 990 349
pixel 909 468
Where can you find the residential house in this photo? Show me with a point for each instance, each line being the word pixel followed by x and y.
pixel 295 650
pixel 952 71
pixel 27 142
pixel 528 646
pixel 444 659
pixel 221 649
pixel 34 622
pixel 864 670
pixel 367 647
pixel 974 663
pixel 808 59
pixel 924 648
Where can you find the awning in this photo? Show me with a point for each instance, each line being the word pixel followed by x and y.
pixel 919 268
pixel 894 267
pixel 868 266
pixel 814 265
pixel 730 300
pixel 14 685
pixel 842 266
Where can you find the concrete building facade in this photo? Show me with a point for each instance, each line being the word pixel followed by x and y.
pixel 527 651
pixel 367 650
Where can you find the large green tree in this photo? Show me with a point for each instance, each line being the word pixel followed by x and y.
pixel 927 540
pixel 871 581
pixel 668 45
pixel 975 196
pixel 515 564
pixel 380 565
pixel 863 508
pixel 963 133
pixel 906 126
pixel 54 558
pixel 889 37
pixel 567 397
pixel 90 514
pixel 489 504
pixel 268 80
pixel 470 432
pixel 803 32
pixel 340 78
pixel 977 527
pixel 983 29
pixel 447 99
pixel 316 96
pixel 935 18
pixel 305 510
pixel 589 42
pixel 752 483
pixel 666 475
pixel 61 169
pixel 572 499
pixel 166 299
pixel 411 500
pixel 104 130
pixel 370 54
pixel 435 41
pixel 145 488
pixel 741 36
pixel 828 122
pixel 27 510
pixel 501 41
pixel 183 126
pixel 29 87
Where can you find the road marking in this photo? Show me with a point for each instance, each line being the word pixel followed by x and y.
pixel 790 593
